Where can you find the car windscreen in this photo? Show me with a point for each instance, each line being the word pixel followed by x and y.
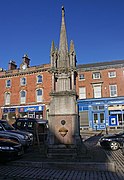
pixel 25 125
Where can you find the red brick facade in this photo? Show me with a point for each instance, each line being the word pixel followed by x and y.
pixel 104 79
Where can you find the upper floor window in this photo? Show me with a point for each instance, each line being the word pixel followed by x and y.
pixel 39 79
pixel 23 97
pixel 82 92
pixel 81 77
pixel 8 83
pixel 7 98
pixel 96 75
pixel 112 74
pixel 96 108
pixel 39 94
pixel 113 90
pixel 97 91
pixel 23 81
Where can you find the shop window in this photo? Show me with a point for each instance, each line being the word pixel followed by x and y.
pixel 23 81
pixel 95 118
pixel 7 98
pixel 81 77
pixel 8 83
pixel 102 118
pixel 39 79
pixel 113 90
pixel 112 74
pixel 23 97
pixel 82 92
pixel 120 119
pixel 96 75
pixel 39 95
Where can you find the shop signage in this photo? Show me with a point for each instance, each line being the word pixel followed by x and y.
pixel 8 110
pixel 113 121
pixel 115 112
pixel 116 102
pixel 31 109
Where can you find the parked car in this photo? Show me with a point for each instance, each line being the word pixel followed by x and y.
pixel 33 125
pixel 10 149
pixel 112 141
pixel 25 138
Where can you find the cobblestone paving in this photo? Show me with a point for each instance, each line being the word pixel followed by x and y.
pixel 18 173
pixel 118 158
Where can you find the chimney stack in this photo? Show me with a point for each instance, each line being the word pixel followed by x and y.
pixel 26 60
pixel 12 65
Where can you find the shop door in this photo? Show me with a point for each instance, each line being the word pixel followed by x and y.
pixel 31 115
pixel 98 120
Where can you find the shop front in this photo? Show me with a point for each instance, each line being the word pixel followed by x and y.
pixel 31 111
pixel 10 113
pixel 103 113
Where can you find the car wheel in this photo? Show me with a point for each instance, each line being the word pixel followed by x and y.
pixel 114 145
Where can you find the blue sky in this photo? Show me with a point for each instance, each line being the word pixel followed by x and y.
pixel 29 26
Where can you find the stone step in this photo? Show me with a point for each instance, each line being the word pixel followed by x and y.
pixel 61 153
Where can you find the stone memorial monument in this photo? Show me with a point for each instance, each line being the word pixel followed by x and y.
pixel 64 135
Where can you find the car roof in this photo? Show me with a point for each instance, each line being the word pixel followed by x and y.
pixel 40 121
pixel 3 120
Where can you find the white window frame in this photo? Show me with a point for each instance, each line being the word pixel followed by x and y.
pixel 38 82
pixel 82 92
pixel 21 81
pixel 81 77
pixel 112 74
pixel 22 99
pixel 8 83
pixel 97 91
pixel 7 98
pixel 39 98
pixel 113 90
pixel 96 75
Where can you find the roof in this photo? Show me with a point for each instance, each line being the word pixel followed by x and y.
pixel 102 65
pixel 41 121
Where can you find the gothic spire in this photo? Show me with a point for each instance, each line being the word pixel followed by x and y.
pixel 72 47
pixel 52 47
pixel 63 46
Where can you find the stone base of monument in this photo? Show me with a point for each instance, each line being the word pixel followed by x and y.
pixel 65 152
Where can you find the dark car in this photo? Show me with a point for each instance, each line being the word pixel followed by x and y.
pixel 26 138
pixel 112 141
pixel 10 149
pixel 33 125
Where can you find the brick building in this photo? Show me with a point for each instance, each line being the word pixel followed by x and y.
pixel 24 90
pixel 101 94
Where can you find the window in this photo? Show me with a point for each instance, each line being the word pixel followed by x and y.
pixel 102 118
pixel 95 118
pixel 39 79
pixel 23 81
pixel 96 75
pixel 23 97
pixel 8 83
pixel 97 91
pixel 7 98
pixel 112 74
pixel 82 92
pixel 81 77
pixel 39 95
pixel 96 108
pixel 113 90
